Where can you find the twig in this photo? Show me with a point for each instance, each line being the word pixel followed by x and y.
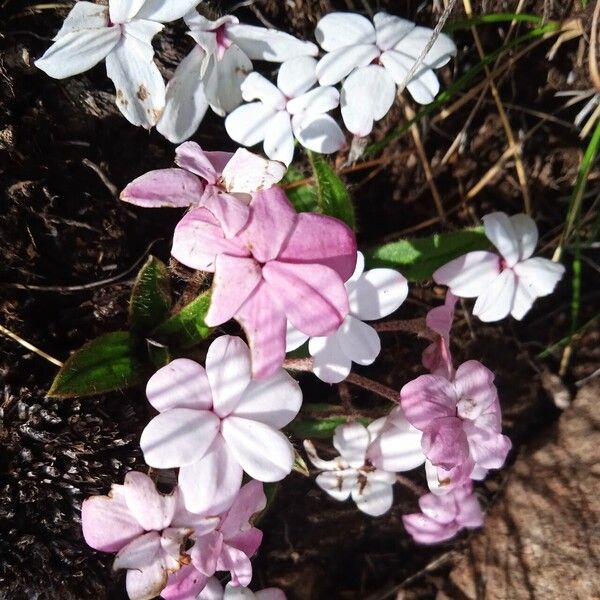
pixel 29 346
pixel 112 188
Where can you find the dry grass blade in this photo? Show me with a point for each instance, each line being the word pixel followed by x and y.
pixel 29 346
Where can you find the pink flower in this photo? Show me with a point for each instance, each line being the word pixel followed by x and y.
pixel 437 357
pixel 460 421
pixel 217 422
pixel 280 265
pixel 148 530
pixel 504 284
pixel 442 517
pixel 227 548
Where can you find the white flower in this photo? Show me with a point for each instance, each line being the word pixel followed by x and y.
pixel 122 34
pixel 350 474
pixel 212 73
pixel 372 295
pixel 504 284
pixel 375 57
pixel 287 110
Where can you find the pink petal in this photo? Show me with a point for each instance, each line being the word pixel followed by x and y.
pixel 180 384
pixel 249 500
pixel 474 385
pixel 445 443
pixel 107 523
pixel 272 219
pixel 312 296
pixel 209 486
pixel 170 188
pixel 440 318
pixel 488 448
pixel 247 173
pixel 205 552
pixel 191 157
pixel 426 398
pixel 265 328
pixel 153 510
pixel 235 279
pixel 324 240
pixel 237 563
pixel 470 275
pixel 427 531
pixel 470 513
pixel 442 509
pixel 184 584
pixel 199 239
pixel 248 541
pixel 141 552
pixel 230 211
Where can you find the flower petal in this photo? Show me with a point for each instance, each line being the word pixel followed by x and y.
pixel 416 40
pixel 470 275
pixel 250 500
pixel 312 297
pixel 474 385
pixel 540 275
pixel 229 74
pixel 427 531
pixel 78 51
pixel 235 279
pixel 445 443
pixel 205 552
pixel 279 139
pixel 258 87
pixel 336 65
pixel 84 16
pixel 180 384
pixel 231 212
pixel 488 448
pixel 427 398
pixel 185 584
pixel 321 239
pixel 297 75
pixel 367 95
pixel 497 300
pixel 271 45
pixel 351 441
pixel 524 298
pixel 165 12
pixel 390 29
pixel 248 123
pixel 107 523
pixel 154 511
pixel 210 485
pixel 141 552
pixel 263 452
pixel 500 231
pixel 123 10
pixel 294 338
pixel 337 29
pixel 374 498
pixel 377 294
pixel 338 484
pixel 237 563
pixel 212 591
pixel 359 341
pixel 423 85
pixel 319 133
pixel 247 173
pixel 527 233
pixel 314 102
pixel 330 362
pixel 178 437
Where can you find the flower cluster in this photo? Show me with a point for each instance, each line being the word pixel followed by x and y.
pixel 369 59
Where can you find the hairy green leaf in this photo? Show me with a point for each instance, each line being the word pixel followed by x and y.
pixel 302 196
pixel 151 296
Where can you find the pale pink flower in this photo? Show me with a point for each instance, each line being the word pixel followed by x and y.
pixel 506 284
pixel 279 266
pixel 437 357
pixel 442 517
pixel 148 530
pixel 460 421
pixel 218 422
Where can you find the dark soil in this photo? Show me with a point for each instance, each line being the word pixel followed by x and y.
pixel 62 225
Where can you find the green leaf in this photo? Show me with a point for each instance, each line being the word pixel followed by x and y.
pixel 303 197
pixel 187 327
pixel 417 259
pixel 110 362
pixel 151 296
pixel 333 198
pixel 305 428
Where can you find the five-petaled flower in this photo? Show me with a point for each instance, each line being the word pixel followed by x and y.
pixel 277 265
pixel 461 425
pixel 276 114
pixel 374 57
pixel 122 34
pixel 218 422
pixel 350 474
pixel 504 284
pixel 148 530
pixel 442 517
pixel 372 295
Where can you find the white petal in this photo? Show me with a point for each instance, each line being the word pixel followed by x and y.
pixel 165 12
pixel 524 298
pixel 375 497
pixel 297 75
pixel 359 341
pixel 316 102
pixel 336 30
pixel 263 452
pixel 257 87
pixel 415 41
pixel 139 553
pixel 336 65
pixel 470 275
pixel 497 300
pixel 124 10
pixel 247 173
pixel 351 441
pixel 390 29
pixel 84 15
pixel 79 51
pixel 540 274
pixel 247 124
pixel 139 85
pixel 527 233
pixel 338 484
pixel 294 338
pixel 210 485
pixel 423 85
pixel 178 437
pixel 229 371
pixel 336 464
pixel 319 133
pixel 367 96
pixel 330 362
pixel 186 102
pixel 279 139
pixel 230 72
pixel 197 22
pixel 152 510
pixel 269 44
pixel 377 293
pixel 358 270
pixel 501 232
pixel 274 401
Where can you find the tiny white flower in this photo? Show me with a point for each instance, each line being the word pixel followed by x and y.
pixel 372 295
pixel 122 35
pixel 212 73
pixel 276 114
pixel 374 57
pixel 350 474
pixel 506 284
